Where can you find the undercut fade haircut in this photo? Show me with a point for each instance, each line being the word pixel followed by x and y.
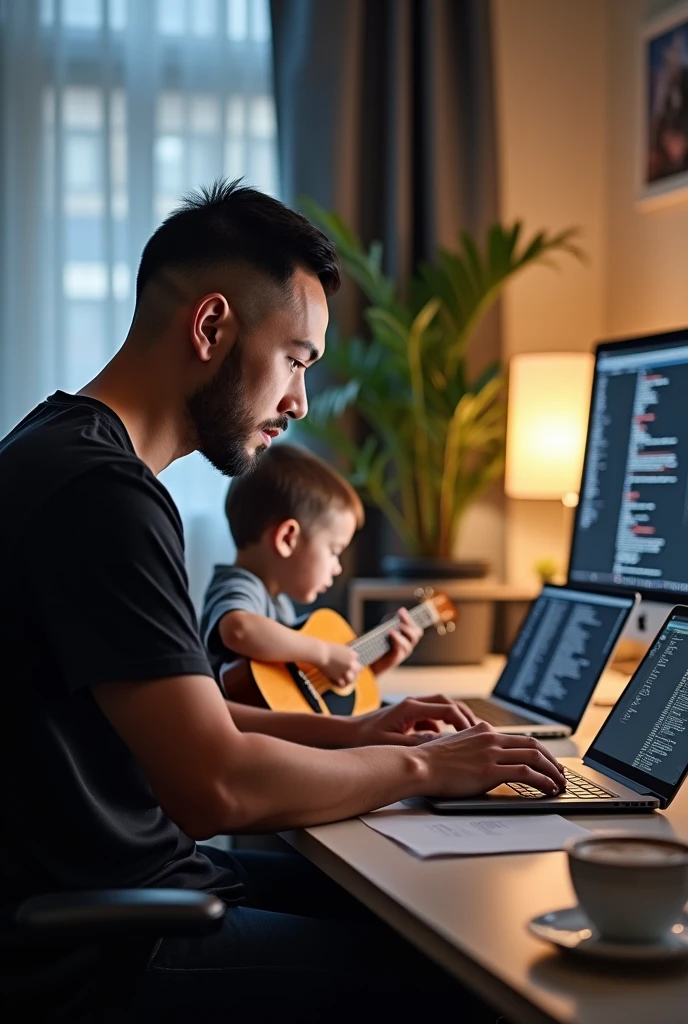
pixel 287 483
pixel 230 223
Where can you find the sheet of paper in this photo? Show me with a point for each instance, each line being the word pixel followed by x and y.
pixel 435 835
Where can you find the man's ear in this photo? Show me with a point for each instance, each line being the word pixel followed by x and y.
pixel 214 327
pixel 286 537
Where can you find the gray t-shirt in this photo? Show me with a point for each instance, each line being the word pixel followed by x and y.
pixel 237 590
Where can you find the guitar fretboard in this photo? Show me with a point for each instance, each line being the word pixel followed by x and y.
pixel 374 644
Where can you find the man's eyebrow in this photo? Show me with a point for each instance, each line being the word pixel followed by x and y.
pixel 313 352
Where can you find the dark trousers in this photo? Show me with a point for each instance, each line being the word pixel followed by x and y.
pixel 301 950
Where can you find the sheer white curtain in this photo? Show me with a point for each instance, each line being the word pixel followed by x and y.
pixel 109 111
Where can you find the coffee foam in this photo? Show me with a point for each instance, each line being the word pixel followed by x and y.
pixel 632 851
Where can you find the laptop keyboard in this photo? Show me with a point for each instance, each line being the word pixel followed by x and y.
pixel 494 714
pixel 577 788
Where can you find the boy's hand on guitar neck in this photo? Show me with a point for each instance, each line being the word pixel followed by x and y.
pixel 401 640
pixel 340 663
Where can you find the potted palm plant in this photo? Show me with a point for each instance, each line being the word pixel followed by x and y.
pixel 434 436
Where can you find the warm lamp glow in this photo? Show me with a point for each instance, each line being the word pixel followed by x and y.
pixel 549 398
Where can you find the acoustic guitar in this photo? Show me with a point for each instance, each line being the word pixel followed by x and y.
pixel 295 687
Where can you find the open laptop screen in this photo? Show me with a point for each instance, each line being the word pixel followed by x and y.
pixel 562 650
pixel 645 737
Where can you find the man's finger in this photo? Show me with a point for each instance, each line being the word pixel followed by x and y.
pixel 436 698
pixel 465 710
pixel 529 742
pixel 427 725
pixel 440 698
pixel 525 775
pixel 449 712
pixel 535 759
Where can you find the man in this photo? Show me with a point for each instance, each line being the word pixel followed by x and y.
pixel 120 749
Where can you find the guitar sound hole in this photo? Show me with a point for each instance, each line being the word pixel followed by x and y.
pixel 338 704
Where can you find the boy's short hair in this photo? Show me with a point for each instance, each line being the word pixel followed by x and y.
pixel 287 483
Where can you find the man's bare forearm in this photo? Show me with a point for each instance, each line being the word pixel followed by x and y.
pixel 210 777
pixel 274 785
pixel 327 731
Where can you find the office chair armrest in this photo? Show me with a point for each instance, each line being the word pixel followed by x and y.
pixel 104 912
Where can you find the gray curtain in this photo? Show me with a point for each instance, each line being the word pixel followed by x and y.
pixel 385 114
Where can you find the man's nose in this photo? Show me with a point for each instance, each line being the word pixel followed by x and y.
pixel 295 401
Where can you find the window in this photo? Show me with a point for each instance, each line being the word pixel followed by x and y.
pixel 142 101
pixel 111 110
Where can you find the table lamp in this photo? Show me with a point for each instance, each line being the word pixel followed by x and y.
pixel 549 400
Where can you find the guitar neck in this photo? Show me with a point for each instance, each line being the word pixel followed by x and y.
pixel 374 644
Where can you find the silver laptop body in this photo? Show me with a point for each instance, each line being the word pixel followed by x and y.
pixel 562 649
pixel 619 795
pixel 639 758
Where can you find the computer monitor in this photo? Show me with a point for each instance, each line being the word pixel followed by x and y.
pixel 631 526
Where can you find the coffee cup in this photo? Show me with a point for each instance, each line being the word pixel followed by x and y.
pixel 632 887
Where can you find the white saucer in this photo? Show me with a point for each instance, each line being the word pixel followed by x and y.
pixel 570 929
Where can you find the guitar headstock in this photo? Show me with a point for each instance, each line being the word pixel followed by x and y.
pixel 441 608
pixel 444 608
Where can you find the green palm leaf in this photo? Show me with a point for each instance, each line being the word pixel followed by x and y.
pixel 435 438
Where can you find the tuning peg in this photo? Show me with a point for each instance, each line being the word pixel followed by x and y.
pixel 419 593
pixel 429 591
pixel 450 627
pixel 441 629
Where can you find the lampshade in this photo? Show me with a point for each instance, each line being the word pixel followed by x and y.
pixel 549 399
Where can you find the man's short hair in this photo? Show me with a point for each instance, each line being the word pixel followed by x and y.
pixel 230 223
pixel 287 483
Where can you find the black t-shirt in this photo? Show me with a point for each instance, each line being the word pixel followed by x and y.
pixel 93 589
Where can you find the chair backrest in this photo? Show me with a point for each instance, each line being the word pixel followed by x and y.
pixel 77 957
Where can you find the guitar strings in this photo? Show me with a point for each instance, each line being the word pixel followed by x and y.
pixel 373 644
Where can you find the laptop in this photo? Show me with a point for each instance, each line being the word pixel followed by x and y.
pixel 561 651
pixel 639 758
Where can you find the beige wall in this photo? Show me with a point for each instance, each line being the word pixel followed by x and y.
pixel 569 100
pixel 647 247
pixel 550 68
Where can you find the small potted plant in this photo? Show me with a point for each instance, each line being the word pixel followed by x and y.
pixel 434 438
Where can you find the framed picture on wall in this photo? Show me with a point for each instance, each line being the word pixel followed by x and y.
pixel 664 147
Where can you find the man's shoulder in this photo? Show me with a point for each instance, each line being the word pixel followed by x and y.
pixel 65 448
pixel 60 440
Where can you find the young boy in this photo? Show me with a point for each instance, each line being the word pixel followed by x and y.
pixel 291 519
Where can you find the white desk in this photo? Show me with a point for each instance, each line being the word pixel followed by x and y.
pixel 469 914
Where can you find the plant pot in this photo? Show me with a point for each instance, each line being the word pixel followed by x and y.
pixel 410 567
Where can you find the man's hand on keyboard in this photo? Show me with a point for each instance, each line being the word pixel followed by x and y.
pixel 476 760
pixel 414 720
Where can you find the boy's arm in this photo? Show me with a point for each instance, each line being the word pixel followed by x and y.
pixel 262 639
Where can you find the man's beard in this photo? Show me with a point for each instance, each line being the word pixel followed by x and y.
pixel 222 422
